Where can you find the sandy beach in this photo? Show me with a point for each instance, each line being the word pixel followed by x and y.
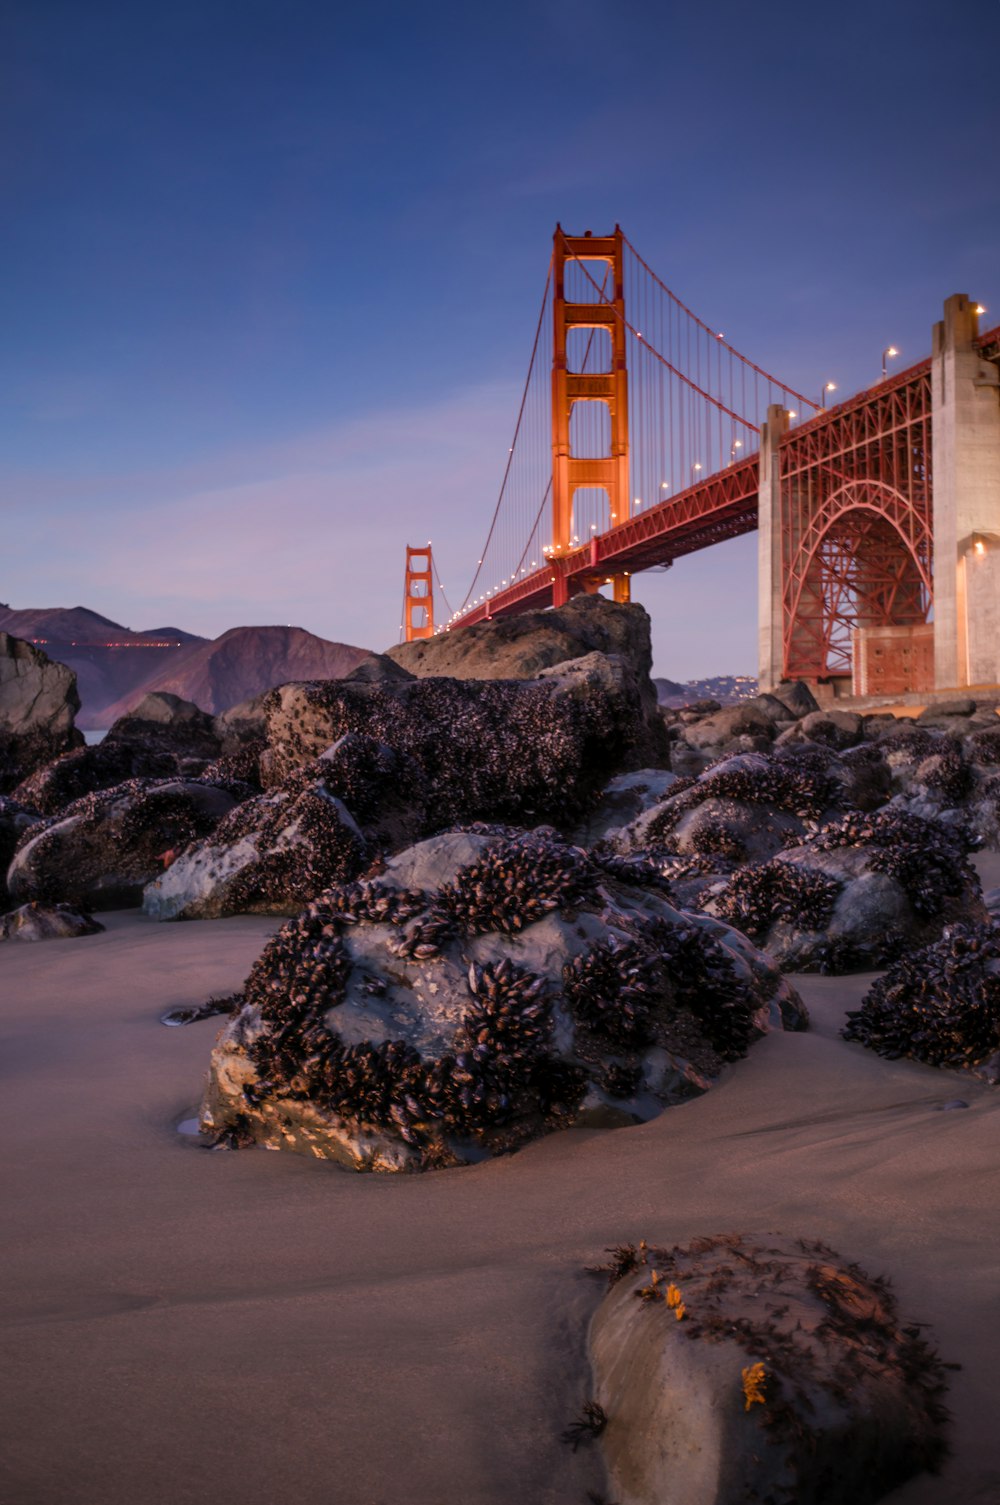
pixel 183 1326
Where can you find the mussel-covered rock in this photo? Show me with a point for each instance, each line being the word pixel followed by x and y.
pixel 761 1368
pixel 270 855
pixel 513 750
pixel 742 809
pixel 940 1004
pixel 46 922
pixel 488 987
pixel 87 769
pixel 625 798
pixel 855 893
pixel 103 849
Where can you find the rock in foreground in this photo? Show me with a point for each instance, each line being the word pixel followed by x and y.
pixel 741 1370
pixel 489 987
pixel 102 850
pixel 46 922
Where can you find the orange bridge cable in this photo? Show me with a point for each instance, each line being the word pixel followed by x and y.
pixel 774 380
pixel 517 429
pixel 737 417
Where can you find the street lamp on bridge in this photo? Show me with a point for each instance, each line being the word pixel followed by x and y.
pixel 889 353
pixel 830 386
pixel 694 470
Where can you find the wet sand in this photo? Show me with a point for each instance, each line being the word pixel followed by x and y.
pixel 255 1328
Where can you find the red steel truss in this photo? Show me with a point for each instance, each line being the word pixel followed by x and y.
pixel 856 523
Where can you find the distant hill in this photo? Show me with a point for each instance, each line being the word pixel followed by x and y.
pixel 727 689
pixel 243 662
pixel 109 660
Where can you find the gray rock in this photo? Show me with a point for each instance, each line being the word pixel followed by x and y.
pixel 38 703
pixel 774 709
pixel 720 730
pixel 486 989
pixel 626 797
pixel 797 697
pixel 836 729
pixel 270 855
pixel 790 1376
pixel 241 724
pixel 379 667
pixel 46 922
pixel 101 851
pixel 943 710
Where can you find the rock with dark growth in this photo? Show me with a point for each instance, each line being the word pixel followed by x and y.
pixel 162 722
pixel 46 922
pixel 743 809
pixel 856 893
pixel 38 701
pixel 760 1368
pixel 88 769
pixel 483 750
pixel 940 1005
pixel 490 986
pixel 101 851
pixel 270 855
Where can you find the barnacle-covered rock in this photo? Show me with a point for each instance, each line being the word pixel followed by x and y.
pixel 489 986
pixel 940 1004
pixel 270 855
pixel 46 922
pixel 625 798
pixel 513 750
pixel 761 1368
pixel 101 851
pixel 14 822
pixel 854 893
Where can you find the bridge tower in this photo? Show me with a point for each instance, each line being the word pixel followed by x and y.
pixel 418 594
pixel 609 472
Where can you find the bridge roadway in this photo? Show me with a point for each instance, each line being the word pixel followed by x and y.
pixel 723 505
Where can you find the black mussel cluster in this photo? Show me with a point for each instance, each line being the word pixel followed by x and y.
pixel 940 1005
pixel 761 895
pixel 984 747
pixel 369 776
pixel 516 882
pixel 614 988
pixel 926 857
pixel 798 783
pixel 948 775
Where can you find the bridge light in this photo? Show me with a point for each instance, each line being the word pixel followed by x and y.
pixel 979 546
pixel 830 386
pixel 888 354
pixel 792 413
pixel 980 309
pixel 664 485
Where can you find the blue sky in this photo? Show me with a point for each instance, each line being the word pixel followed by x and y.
pixel 269 271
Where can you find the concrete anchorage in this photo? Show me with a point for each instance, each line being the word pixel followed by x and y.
pixel 965 431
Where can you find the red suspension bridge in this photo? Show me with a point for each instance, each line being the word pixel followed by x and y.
pixel 643 435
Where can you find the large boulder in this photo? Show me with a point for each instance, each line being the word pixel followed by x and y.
pixel 38 703
pixel 939 1005
pixel 509 750
pixel 46 922
pixel 162 722
pixel 523 647
pixel 488 987
pixel 761 1368
pixel 856 893
pixel 102 850
pixel 270 855
pixel 735 728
